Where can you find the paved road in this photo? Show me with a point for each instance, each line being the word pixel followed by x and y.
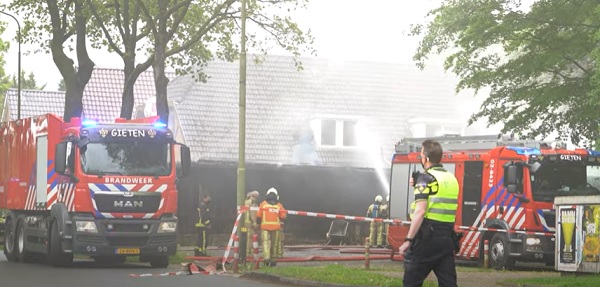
pixel 86 273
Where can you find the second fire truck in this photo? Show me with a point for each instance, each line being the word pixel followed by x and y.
pixel 507 190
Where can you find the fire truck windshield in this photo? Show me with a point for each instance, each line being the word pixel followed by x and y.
pixel 562 178
pixel 126 158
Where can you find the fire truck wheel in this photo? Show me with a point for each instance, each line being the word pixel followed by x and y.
pixel 160 262
pixel 499 258
pixel 55 255
pixel 24 256
pixel 9 242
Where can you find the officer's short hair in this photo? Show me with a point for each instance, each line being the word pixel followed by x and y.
pixel 433 150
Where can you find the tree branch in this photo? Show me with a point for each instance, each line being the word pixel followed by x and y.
pixel 177 20
pixel 215 19
pixel 143 34
pixel 126 19
pixel 150 19
pixel 62 61
pixel 577 64
pixel 63 24
pixel 103 27
pixel 119 24
pixel 176 7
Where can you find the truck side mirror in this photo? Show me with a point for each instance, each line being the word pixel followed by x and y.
pixel 513 178
pixel 63 158
pixel 186 160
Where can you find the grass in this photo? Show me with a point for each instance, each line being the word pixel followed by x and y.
pixel 339 274
pixel 563 281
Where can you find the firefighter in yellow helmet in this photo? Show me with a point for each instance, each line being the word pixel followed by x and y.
pixel 249 225
pixel 376 227
pixel 270 215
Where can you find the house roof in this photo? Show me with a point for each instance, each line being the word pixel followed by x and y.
pixel 282 100
pixel 101 97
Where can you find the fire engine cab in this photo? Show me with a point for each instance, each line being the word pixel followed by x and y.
pixel 105 190
pixel 507 190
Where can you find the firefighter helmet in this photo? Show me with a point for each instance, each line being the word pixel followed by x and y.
pixel 272 190
pixel 378 198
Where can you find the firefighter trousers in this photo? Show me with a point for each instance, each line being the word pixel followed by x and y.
pixel 270 244
pixel 376 233
pixel 423 256
pixel 249 243
pixel 201 241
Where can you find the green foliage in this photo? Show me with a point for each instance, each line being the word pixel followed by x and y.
pixel 563 281
pixel 27 83
pixel 538 62
pixel 61 85
pixel 338 274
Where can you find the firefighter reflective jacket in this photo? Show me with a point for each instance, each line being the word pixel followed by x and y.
pixel 271 215
pixel 204 215
pixel 249 217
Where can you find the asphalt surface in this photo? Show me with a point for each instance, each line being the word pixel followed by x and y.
pixel 88 274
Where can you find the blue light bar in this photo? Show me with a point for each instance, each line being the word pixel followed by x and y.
pixel 89 123
pixel 160 125
pixel 593 152
pixel 524 150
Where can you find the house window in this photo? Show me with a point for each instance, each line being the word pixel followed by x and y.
pixel 349 133
pixel 337 132
pixel 328 132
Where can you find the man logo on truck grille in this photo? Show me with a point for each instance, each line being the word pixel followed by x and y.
pixel 128 203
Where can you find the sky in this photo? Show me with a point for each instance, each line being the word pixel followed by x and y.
pixel 364 30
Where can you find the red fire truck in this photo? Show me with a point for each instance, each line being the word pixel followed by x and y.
pixel 106 190
pixel 507 190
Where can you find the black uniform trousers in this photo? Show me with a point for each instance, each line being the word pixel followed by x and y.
pixel 434 253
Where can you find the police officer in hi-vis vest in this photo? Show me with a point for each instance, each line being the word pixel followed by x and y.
pixel 430 242
pixel 270 215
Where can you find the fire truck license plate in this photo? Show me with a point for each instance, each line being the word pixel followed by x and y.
pixel 128 251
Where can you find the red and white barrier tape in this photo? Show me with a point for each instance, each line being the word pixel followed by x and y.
pixel 230 243
pixel 241 210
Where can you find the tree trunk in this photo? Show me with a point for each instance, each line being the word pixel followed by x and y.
pixel 75 79
pixel 73 99
pixel 128 99
pixel 160 79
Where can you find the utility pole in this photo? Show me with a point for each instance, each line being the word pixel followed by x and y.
pixel 241 169
pixel 18 65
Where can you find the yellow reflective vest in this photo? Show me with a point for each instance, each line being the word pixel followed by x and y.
pixel 441 205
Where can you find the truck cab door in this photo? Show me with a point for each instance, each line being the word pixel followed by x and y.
pixel 471 191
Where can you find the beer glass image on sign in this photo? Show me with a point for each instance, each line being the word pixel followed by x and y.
pixel 568 226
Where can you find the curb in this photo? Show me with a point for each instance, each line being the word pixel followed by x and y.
pixel 287 280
